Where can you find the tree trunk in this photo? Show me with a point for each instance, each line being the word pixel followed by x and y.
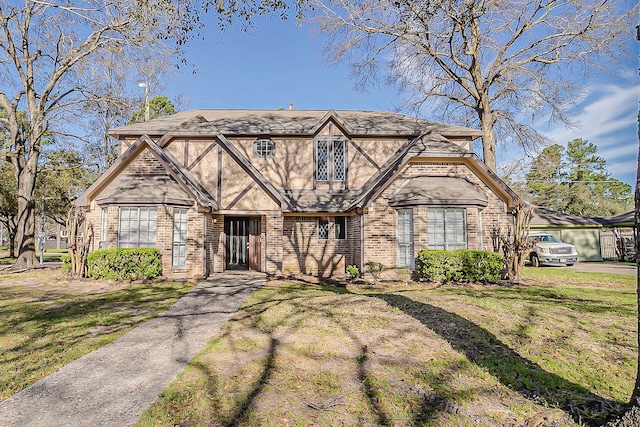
pixel 12 242
pixel 26 226
pixel 517 246
pixel 631 417
pixel 635 397
pixel 488 139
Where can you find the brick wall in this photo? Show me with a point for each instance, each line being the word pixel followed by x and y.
pixel 380 233
pixel 146 163
pixel 164 238
pixel 304 253
pixel 273 242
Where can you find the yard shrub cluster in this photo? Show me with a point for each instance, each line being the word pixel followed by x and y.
pixel 462 265
pixel 125 263
pixel 66 263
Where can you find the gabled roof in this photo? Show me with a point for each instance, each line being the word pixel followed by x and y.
pixel 182 176
pixel 290 122
pixel 429 145
pixel 145 189
pixel 544 216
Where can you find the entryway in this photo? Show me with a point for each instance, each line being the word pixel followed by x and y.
pixel 243 246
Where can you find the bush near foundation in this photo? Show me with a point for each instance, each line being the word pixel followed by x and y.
pixel 462 265
pixel 125 263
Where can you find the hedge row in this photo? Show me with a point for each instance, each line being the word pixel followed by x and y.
pixel 125 263
pixel 462 265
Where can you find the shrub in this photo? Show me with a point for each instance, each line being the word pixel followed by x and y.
pixel 353 271
pixel 459 266
pixel 125 263
pixel 374 269
pixel 66 263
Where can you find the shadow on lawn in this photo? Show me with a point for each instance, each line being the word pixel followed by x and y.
pixel 514 371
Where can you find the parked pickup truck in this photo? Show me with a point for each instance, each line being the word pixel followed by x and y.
pixel 548 250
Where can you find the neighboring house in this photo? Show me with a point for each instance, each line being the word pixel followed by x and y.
pixel 295 191
pixel 582 232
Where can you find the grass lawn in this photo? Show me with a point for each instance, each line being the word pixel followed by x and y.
pixel 47 320
pixel 50 255
pixel 312 354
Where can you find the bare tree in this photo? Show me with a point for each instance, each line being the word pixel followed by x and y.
pixel 495 64
pixel 46 53
pixel 516 243
pixel 115 97
pixel 49 50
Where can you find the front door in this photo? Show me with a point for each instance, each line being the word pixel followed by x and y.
pixel 243 243
pixel 255 245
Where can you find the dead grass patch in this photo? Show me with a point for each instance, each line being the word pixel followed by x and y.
pixel 391 354
pixel 49 320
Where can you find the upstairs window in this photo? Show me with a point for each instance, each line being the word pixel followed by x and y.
pixel 331 160
pixel 264 148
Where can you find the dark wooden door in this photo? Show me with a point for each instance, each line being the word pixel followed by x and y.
pixel 237 231
pixel 255 245
pixel 244 246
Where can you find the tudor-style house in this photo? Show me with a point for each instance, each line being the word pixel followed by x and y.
pixel 291 191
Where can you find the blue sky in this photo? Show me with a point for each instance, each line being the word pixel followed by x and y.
pixel 277 63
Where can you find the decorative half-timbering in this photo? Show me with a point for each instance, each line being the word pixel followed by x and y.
pixel 289 192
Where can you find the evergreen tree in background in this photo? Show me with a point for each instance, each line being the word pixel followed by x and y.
pixel 575 180
pixel 159 106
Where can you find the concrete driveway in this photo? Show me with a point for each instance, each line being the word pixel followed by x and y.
pixel 600 267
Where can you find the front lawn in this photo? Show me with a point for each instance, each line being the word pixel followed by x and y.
pixel 48 320
pixel 300 353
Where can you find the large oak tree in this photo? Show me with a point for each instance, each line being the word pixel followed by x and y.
pixel 496 64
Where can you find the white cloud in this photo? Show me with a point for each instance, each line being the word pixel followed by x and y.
pixel 608 118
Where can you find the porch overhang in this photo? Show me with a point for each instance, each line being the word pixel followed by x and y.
pixel 448 191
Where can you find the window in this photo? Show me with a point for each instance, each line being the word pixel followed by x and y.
pixel 340 227
pixel 137 227
pixel 323 228
pixel 103 229
pixel 264 148
pixel 179 258
pixel 405 239
pixel 331 160
pixel 447 229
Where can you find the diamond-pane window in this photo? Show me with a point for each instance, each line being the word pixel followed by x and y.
pixel 338 160
pixel 322 160
pixel 323 228
pixel 331 160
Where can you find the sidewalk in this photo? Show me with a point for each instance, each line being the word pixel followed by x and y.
pixel 113 385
